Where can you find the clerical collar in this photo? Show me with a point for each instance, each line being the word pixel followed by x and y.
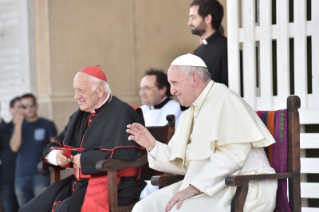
pixel 108 99
pixel 160 104
pixel 197 104
pixel 211 38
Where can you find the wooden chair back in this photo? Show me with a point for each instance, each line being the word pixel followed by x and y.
pixel 292 173
pixel 162 134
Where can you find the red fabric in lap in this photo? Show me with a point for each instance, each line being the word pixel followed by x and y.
pixel 96 197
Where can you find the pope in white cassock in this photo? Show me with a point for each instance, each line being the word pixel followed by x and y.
pixel 219 135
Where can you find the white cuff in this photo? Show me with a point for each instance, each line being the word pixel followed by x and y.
pixel 51 157
pixel 153 152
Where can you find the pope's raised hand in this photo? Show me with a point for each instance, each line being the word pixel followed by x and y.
pixel 141 135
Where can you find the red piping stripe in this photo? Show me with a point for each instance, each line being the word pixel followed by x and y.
pixel 58 142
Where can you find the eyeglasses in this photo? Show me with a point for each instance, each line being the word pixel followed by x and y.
pixel 145 89
pixel 31 104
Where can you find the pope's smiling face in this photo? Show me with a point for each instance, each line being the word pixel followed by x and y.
pixel 86 92
pixel 181 86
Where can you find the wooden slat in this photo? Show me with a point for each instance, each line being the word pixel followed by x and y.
pixel 304 209
pixel 266 90
pixel 300 51
pixel 310 190
pixel 249 48
pixel 309 165
pixel 309 140
pixel 233 45
pixel 309 116
pixel 282 54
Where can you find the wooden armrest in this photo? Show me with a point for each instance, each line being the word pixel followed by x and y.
pixel 165 180
pixel 45 167
pixel 54 171
pixel 238 180
pixel 115 164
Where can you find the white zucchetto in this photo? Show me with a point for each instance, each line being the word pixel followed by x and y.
pixel 189 60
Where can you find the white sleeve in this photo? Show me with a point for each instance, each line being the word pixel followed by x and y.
pixel 227 160
pixel 153 152
pixel 162 163
pixel 51 157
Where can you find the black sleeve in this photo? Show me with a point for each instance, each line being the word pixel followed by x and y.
pixel 58 141
pixel 90 158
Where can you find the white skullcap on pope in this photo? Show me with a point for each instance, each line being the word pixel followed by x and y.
pixel 189 60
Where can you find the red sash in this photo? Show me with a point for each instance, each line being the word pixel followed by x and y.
pixel 96 197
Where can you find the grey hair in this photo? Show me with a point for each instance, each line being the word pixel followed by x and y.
pixel 201 71
pixel 98 81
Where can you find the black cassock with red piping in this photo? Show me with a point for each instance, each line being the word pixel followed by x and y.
pixel 103 135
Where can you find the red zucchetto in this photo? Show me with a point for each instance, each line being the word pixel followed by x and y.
pixel 94 71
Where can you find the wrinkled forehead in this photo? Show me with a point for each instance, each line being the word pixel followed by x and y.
pixel 175 73
pixel 82 80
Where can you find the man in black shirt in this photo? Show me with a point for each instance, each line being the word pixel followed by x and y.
pixel 8 158
pixel 205 18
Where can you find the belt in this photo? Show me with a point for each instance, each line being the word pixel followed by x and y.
pixel 126 172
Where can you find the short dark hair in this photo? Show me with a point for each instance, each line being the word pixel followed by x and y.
pixel 13 101
pixel 210 7
pixel 161 79
pixel 29 95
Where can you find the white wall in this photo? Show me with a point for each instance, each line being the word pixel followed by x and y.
pixel 16 51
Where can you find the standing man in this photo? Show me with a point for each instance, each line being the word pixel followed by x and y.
pixel 155 95
pixel 8 158
pixel 98 128
pixel 205 17
pixel 28 140
pixel 219 135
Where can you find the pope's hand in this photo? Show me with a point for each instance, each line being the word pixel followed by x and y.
pixel 141 135
pixel 179 197
pixel 61 159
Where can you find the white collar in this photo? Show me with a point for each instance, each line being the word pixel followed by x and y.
pixel 93 111
pixel 152 107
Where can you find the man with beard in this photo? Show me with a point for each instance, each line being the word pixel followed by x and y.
pixel 205 19
pixel 98 129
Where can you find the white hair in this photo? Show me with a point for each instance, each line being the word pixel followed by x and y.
pixel 98 82
pixel 201 71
